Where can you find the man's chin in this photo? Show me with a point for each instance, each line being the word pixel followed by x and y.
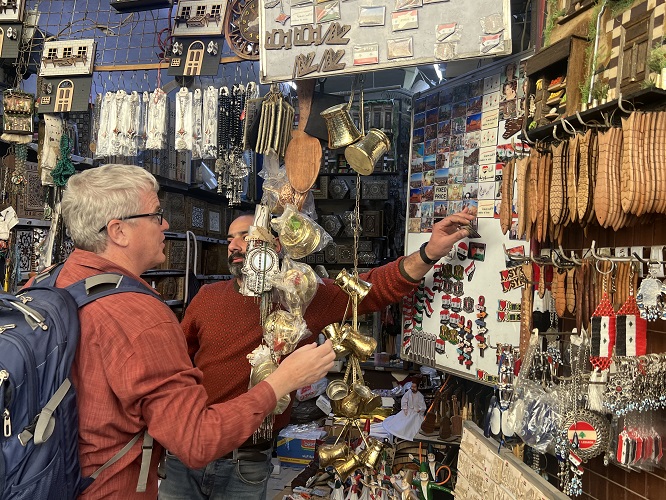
pixel 236 270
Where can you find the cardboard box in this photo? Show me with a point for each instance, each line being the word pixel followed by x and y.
pixel 295 451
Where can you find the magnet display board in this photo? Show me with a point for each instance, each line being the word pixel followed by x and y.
pixel 311 38
pixel 463 132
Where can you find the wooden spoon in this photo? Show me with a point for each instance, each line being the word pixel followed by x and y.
pixel 303 156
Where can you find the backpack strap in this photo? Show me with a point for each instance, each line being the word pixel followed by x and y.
pixel 146 454
pixel 101 285
pixel 46 421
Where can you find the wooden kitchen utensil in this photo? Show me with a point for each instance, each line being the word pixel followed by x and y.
pixel 303 156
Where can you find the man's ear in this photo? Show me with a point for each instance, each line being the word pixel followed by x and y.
pixel 116 233
pixel 278 245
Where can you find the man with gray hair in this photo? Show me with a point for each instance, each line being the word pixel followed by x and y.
pixel 132 371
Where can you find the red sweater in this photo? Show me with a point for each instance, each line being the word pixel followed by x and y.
pixel 222 326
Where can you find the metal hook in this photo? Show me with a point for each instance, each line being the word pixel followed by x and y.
pixel 516 258
pixel 619 104
pixel 555 134
pixel 566 125
pixel 526 137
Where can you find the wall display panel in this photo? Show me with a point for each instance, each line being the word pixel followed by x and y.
pixel 463 134
pixel 311 38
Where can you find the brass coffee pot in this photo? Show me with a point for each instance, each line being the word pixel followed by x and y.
pixel 345 467
pixel 371 454
pixel 329 453
pixel 341 129
pixel 337 334
pixel 352 285
pixel 363 155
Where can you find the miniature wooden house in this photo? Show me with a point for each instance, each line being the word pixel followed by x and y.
pixel 68 57
pixel 10 39
pixel 11 10
pixel 63 94
pixel 199 17
pixel 195 57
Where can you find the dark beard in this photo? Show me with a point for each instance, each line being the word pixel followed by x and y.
pixel 235 268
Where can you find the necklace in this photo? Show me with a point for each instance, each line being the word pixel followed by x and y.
pixel 183 103
pixel 156 120
pixel 210 120
pixel 197 132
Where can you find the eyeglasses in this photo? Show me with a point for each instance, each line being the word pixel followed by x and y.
pixel 159 215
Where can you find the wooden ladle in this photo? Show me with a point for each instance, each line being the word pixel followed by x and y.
pixel 303 156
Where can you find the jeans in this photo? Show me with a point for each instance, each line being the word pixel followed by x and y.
pixel 221 479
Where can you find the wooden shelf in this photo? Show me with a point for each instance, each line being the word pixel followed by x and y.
pixel 350 174
pixel 33 223
pixel 643 99
pixel 205 239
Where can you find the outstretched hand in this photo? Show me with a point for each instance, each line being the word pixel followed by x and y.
pixel 447 233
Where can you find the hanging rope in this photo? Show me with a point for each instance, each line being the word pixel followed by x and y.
pixel 64 168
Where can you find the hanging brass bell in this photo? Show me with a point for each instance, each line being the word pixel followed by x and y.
pixel 341 129
pixel 363 155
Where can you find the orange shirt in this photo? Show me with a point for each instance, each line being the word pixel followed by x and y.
pixel 132 371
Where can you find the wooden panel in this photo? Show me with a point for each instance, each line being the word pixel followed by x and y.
pixel 548 56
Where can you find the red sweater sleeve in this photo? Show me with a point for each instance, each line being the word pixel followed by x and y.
pixel 328 306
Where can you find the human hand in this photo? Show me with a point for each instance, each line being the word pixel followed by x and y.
pixel 302 367
pixel 447 233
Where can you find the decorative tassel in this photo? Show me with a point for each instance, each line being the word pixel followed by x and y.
pixel 596 389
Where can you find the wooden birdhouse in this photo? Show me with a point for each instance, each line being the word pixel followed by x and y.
pixel 65 76
pixel 68 57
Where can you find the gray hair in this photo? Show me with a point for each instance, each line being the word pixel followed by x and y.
pixel 96 196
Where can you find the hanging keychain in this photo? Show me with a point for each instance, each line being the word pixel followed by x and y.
pixel 650 294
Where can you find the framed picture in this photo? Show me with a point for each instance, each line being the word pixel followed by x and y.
pixel 371 15
pixel 320 188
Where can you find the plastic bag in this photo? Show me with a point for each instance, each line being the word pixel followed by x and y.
pixel 312 390
pixel 262 366
pixel 541 418
pixel 296 285
pixel 284 330
pixel 277 192
pixel 299 234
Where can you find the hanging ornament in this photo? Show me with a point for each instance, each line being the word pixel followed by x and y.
pixel 64 168
pixel 650 298
pixel 630 327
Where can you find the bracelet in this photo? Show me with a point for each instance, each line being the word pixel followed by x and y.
pixel 424 256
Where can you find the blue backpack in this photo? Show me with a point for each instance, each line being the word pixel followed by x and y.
pixel 39 333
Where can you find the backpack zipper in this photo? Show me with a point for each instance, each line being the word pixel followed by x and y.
pixel 7 423
pixel 31 371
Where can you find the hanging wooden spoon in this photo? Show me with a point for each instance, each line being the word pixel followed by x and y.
pixel 303 156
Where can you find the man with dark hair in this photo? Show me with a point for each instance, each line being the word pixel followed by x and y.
pixel 222 326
